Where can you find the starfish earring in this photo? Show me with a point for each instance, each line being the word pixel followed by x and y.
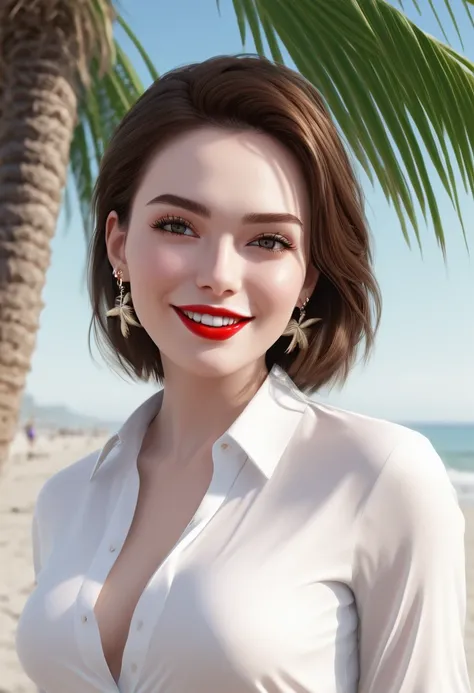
pixel 297 330
pixel 122 309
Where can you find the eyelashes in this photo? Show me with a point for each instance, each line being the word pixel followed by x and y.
pixel 171 221
pixel 273 238
pixel 179 226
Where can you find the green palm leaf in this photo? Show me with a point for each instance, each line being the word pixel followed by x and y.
pixel 106 95
pixel 399 96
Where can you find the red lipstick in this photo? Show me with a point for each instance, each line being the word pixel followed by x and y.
pixel 209 331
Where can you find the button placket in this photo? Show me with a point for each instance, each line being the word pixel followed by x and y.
pixel 87 629
pixel 147 613
pixel 153 599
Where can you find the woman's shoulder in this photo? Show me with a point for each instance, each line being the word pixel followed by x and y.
pixel 64 488
pixel 385 463
pixel 372 445
pixel 361 431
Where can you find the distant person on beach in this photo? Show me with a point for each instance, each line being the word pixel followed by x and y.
pixel 236 535
pixel 30 433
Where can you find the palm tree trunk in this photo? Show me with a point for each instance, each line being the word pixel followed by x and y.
pixel 37 118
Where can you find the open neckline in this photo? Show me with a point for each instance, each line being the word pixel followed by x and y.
pixel 224 475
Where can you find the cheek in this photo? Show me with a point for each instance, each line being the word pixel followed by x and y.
pixel 153 265
pixel 277 288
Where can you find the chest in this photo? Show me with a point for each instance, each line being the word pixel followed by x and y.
pixel 253 585
pixel 165 506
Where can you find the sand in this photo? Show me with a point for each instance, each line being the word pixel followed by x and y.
pixel 20 482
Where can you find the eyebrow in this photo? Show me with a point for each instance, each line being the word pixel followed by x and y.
pixel 203 211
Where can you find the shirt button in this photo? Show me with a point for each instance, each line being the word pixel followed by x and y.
pixel 84 619
pixel 111 548
pixel 139 625
pixel 224 446
pixel 134 667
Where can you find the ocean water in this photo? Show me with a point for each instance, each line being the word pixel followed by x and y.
pixel 454 443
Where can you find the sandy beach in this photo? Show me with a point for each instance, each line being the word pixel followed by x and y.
pixel 20 482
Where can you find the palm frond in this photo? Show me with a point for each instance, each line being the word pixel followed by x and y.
pixel 399 96
pixel 241 19
pixel 448 4
pixel 252 18
pixel 102 105
pixel 142 52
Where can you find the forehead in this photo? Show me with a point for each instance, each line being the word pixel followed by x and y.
pixel 227 170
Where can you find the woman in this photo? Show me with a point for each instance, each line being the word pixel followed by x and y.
pixel 235 536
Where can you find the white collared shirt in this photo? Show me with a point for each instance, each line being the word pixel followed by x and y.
pixel 332 562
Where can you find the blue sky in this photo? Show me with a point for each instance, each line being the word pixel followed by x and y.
pixel 422 368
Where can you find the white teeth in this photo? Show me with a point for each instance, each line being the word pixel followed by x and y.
pixel 211 320
pixel 208 320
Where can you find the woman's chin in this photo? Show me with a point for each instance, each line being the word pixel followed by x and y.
pixel 211 363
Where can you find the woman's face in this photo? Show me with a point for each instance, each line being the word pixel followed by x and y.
pixel 220 221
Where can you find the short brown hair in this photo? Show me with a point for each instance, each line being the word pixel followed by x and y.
pixel 248 92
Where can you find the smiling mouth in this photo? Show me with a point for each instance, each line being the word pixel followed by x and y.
pixel 211 320
pixel 212 326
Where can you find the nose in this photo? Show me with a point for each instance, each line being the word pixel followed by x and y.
pixel 220 267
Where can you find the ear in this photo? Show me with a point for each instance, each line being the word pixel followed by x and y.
pixel 311 279
pixel 115 237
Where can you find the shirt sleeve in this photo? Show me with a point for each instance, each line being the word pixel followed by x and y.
pixel 43 524
pixel 409 578
pixel 36 547
pixel 36 550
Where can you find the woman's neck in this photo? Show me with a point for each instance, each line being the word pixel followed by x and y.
pixel 196 411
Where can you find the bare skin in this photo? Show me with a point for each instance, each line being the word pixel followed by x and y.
pixel 217 262
pixel 146 546
pixel 171 490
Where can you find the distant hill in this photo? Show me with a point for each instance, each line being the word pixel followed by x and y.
pixel 58 416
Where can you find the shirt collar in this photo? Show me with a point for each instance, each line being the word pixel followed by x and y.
pixel 268 422
pixel 263 429
pixel 132 432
